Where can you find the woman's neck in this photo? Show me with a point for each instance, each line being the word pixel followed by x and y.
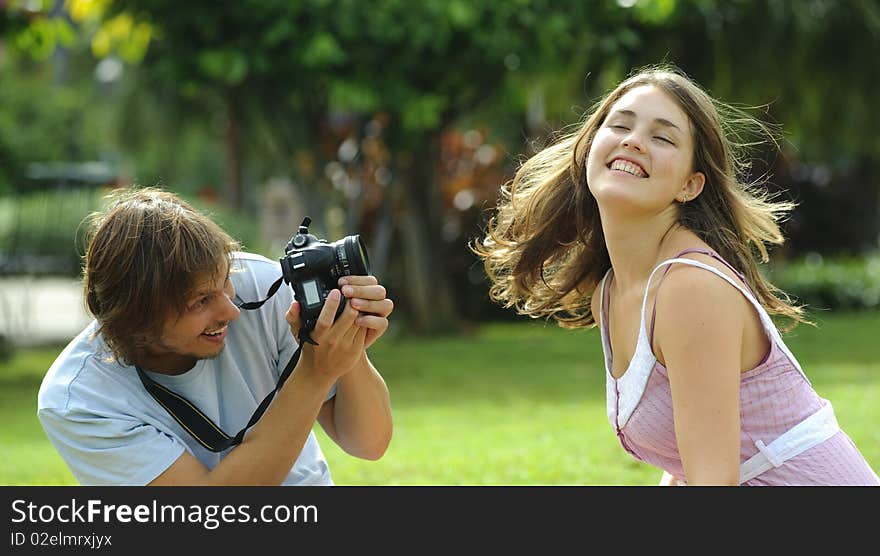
pixel 636 247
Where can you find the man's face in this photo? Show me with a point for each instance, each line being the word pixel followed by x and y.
pixel 197 333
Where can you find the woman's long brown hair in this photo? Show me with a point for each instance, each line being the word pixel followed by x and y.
pixel 544 249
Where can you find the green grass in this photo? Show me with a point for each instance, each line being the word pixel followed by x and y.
pixel 505 404
pixel 26 456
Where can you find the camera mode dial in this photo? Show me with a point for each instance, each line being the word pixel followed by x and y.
pixel 299 240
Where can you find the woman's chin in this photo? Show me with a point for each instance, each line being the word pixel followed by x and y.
pixel 620 199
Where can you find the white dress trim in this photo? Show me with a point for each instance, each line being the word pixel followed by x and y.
pixel 623 394
pixel 815 429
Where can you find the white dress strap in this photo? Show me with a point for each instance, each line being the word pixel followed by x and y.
pixel 600 320
pixel 813 430
pixel 610 386
pixel 769 328
pixel 600 317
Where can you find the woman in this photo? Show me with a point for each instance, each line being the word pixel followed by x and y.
pixel 640 223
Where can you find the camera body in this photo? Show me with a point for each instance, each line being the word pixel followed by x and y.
pixel 312 267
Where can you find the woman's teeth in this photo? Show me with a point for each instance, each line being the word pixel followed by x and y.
pixel 628 167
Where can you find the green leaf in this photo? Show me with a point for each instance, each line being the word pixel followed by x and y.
pixel 38 39
pixel 423 112
pixel 462 15
pixel 322 51
pixel 654 11
pixel 226 66
pixel 357 97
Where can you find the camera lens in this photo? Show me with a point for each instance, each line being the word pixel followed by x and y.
pixel 356 253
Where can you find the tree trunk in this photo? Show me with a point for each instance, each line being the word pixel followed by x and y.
pixel 427 290
pixel 380 252
pixel 234 195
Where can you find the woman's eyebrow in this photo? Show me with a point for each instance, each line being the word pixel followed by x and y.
pixel 662 121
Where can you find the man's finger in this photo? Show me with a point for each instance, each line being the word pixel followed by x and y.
pixel 372 322
pixel 382 307
pixel 350 332
pixel 292 315
pixel 327 314
pixel 373 292
pixel 358 280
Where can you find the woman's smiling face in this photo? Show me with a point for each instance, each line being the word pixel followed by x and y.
pixel 641 157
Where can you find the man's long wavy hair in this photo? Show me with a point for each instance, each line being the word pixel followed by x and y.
pixel 544 249
pixel 146 252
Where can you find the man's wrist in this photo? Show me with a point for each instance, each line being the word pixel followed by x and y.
pixel 312 377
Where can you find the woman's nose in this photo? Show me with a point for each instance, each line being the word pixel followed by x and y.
pixel 632 141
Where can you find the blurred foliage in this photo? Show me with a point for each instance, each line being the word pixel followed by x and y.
pixel 7 348
pixel 400 120
pixel 808 62
pixel 36 126
pixel 245 230
pixel 40 232
pixel 435 61
pixel 839 283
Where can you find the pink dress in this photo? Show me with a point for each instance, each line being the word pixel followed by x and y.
pixel 788 434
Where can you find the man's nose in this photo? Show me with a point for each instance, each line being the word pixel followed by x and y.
pixel 230 310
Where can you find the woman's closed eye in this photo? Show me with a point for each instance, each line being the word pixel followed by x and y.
pixel 622 127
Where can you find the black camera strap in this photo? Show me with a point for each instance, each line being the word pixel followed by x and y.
pixel 191 418
pixel 199 425
pixel 304 331
pixel 249 305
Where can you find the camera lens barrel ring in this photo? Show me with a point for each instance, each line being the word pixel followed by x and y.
pixel 358 259
pixel 342 257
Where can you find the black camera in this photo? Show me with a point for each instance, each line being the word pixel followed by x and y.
pixel 313 267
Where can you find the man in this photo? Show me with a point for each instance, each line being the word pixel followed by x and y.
pixel 164 284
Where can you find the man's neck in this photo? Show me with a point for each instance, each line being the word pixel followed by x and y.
pixel 168 364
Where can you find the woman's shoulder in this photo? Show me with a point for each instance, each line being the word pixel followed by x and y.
pixel 698 271
pixel 690 292
pixel 687 274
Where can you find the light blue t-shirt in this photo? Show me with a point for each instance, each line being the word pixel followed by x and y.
pixel 111 431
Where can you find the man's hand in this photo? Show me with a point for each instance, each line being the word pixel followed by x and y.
pixel 367 295
pixel 340 342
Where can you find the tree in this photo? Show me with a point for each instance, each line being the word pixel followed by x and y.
pixel 420 65
pixel 371 87
pixel 810 66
